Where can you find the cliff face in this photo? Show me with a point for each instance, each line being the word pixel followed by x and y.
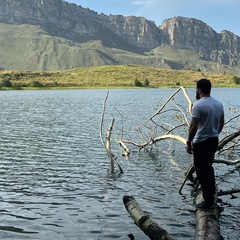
pixel 71 22
pixel 188 33
pixel 229 49
pixel 191 34
pixel 136 30
pixel 55 16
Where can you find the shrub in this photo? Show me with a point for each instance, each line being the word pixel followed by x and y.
pixel 236 79
pixel 17 75
pixel 177 83
pixel 146 83
pixel 137 83
pixel 6 83
pixel 35 83
pixel 197 70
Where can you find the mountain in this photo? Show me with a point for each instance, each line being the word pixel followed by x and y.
pixel 57 35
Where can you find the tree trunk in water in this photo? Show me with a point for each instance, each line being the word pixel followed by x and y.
pixel 207 222
pixel 143 221
pixel 108 146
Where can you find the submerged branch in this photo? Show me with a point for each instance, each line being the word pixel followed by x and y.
pixel 153 140
pixel 107 144
pixel 102 119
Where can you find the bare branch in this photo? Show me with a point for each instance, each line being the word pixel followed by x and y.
pixel 154 140
pixel 125 148
pixel 172 136
pixel 189 172
pixel 221 193
pixel 102 119
pixel 108 147
pixel 181 110
pixel 229 120
pixel 227 162
pixel 228 139
pixel 107 144
pixel 168 100
pixel 188 99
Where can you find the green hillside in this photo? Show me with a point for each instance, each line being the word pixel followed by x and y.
pixel 28 47
pixel 118 76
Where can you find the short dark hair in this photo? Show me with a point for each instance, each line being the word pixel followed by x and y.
pixel 205 85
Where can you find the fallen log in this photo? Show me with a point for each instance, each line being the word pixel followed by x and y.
pixel 221 193
pixel 143 221
pixel 207 221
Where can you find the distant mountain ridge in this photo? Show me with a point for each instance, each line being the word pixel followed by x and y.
pixel 65 35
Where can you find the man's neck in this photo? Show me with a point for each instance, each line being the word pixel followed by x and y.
pixel 205 95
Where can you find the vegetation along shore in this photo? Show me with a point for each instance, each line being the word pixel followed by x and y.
pixel 117 76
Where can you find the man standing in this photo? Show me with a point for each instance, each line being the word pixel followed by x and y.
pixel 206 124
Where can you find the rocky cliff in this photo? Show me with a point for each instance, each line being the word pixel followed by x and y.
pixel 193 34
pixel 137 34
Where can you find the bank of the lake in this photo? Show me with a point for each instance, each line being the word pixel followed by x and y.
pixel 117 76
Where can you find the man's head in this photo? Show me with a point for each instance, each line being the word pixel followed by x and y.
pixel 203 87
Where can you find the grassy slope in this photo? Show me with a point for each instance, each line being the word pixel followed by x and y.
pixel 31 48
pixel 118 76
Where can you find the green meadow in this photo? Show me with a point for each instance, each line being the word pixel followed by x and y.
pixel 114 76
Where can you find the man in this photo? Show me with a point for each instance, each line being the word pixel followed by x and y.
pixel 206 124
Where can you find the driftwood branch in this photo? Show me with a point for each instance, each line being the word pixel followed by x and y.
pixel 107 144
pixel 227 162
pixel 168 100
pixel 231 119
pixel 143 221
pixel 221 193
pixel 228 139
pixel 102 119
pixel 126 151
pixel 188 173
pixel 108 147
pixel 152 141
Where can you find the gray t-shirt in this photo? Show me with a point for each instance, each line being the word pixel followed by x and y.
pixel 209 110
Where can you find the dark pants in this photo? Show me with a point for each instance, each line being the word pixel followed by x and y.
pixel 203 155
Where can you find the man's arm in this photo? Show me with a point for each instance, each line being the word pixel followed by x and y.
pixel 221 123
pixel 193 128
pixel 191 133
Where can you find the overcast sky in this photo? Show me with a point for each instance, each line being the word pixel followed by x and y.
pixel 218 14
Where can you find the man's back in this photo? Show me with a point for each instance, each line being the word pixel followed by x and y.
pixel 209 111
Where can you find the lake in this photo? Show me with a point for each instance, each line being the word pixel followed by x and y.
pixel 54 172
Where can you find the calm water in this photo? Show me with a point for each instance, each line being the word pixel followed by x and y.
pixel 54 173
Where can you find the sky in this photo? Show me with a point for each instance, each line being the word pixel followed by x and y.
pixel 218 14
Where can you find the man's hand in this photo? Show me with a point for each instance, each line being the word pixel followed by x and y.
pixel 189 148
